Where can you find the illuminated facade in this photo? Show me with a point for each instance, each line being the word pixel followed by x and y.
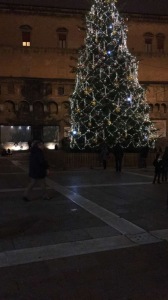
pixel 37 54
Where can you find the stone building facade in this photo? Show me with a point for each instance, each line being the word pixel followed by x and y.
pixel 38 44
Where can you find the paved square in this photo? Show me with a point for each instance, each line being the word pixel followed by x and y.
pixel 102 235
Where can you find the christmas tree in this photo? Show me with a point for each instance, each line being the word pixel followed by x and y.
pixel 108 104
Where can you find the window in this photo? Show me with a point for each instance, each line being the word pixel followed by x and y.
pixel 160 42
pixel 148 41
pixel 26 34
pixel 52 108
pixel 9 106
pixel 163 108
pixel 157 107
pixel 24 107
pixel 60 90
pixel 62 37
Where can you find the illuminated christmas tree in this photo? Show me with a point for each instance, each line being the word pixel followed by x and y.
pixel 108 104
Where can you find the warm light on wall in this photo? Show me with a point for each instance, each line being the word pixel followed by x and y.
pixel 15 146
pixel 50 146
pixel 24 146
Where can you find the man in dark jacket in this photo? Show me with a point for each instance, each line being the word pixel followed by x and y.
pixel 38 169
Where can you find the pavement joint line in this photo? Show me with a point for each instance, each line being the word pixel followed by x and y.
pixel 108 184
pixel 139 174
pixel 98 169
pixel 18 190
pixel 50 252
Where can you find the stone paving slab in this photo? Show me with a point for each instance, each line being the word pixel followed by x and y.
pixel 161 234
pixel 143 238
pixel 8 167
pixel 52 238
pixel 137 273
pixel 50 252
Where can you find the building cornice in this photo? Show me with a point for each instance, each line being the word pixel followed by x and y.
pixel 37 10
pixel 56 80
pixel 65 12
pixel 145 18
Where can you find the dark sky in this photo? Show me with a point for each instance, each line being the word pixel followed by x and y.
pixel 81 4
pixel 156 7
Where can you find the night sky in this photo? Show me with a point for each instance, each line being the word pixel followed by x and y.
pixel 155 7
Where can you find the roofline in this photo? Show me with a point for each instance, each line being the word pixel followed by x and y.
pixel 44 10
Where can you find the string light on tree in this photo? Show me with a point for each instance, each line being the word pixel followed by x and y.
pixel 108 103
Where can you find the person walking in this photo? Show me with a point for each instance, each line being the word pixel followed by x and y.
pixel 158 168
pixel 118 154
pixel 38 170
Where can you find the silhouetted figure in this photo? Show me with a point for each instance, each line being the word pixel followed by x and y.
pixel 4 152
pixel 118 154
pixel 38 169
pixel 29 144
pixel 157 163
pixel 104 155
pixel 9 151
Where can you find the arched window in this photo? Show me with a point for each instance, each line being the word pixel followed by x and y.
pixel 160 37
pixel 52 107
pixel 163 108
pixel 157 107
pixel 24 107
pixel 62 37
pixel 9 106
pixel 26 35
pixel 148 36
